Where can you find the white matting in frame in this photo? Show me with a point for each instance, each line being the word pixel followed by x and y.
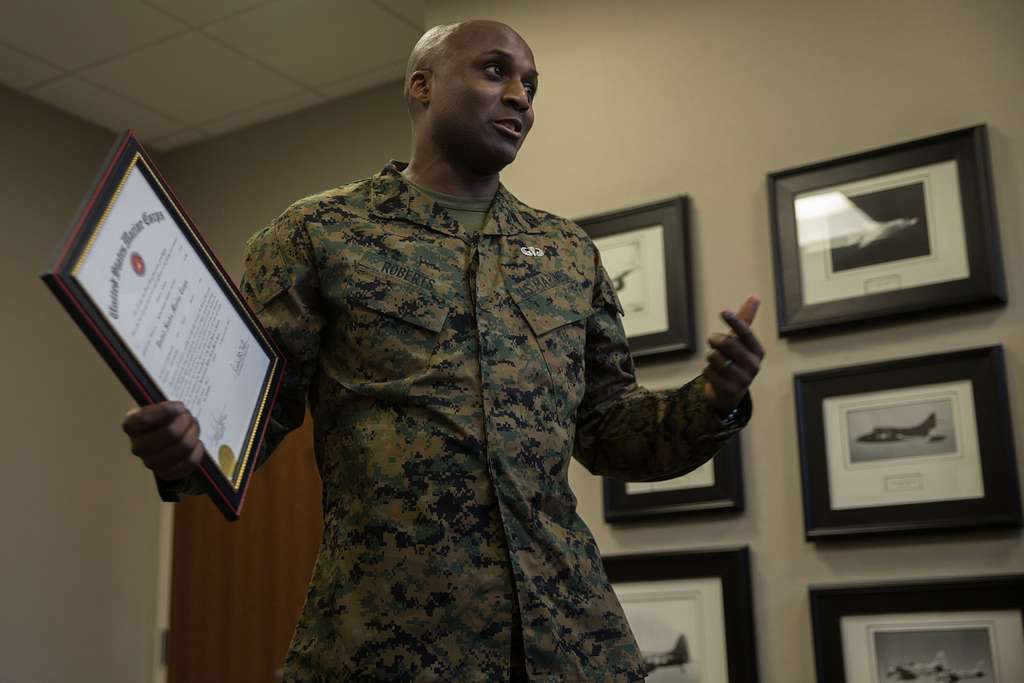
pixel 700 477
pixel 170 311
pixel 635 261
pixel 659 612
pixel 835 234
pixel 878 648
pixel 900 446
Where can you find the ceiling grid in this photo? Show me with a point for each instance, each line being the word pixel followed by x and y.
pixel 179 71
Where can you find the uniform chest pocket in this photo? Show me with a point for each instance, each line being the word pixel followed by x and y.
pixel 558 318
pixel 390 327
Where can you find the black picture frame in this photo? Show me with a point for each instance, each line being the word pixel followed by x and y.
pixel 731 566
pixel 725 494
pixel 672 215
pixel 126 156
pixel 899 459
pixel 902 199
pixel 932 599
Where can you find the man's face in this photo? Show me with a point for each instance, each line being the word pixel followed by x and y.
pixel 481 105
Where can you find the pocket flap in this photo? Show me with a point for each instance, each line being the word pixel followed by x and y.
pixel 395 298
pixel 552 308
pixel 606 295
pixel 266 273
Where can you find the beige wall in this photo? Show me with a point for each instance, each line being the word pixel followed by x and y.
pixel 82 525
pixel 640 101
pixel 234 185
pixel 79 518
pixel 645 100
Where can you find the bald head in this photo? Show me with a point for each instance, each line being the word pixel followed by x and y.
pixel 437 46
pixel 470 88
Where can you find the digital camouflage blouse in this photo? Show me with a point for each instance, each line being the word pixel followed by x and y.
pixel 450 377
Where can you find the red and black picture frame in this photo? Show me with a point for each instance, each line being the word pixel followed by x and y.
pixel 145 288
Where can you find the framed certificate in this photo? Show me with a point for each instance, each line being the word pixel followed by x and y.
pixel 145 288
pixel 907 445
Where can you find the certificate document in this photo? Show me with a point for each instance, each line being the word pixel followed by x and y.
pixel 148 292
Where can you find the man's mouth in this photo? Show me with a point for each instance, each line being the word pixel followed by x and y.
pixel 513 128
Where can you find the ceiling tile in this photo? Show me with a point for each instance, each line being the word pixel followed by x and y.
pixel 319 41
pixel 262 112
pixel 183 137
pixel 199 12
pixel 192 79
pixel 411 10
pixel 105 109
pixel 76 34
pixel 364 81
pixel 21 71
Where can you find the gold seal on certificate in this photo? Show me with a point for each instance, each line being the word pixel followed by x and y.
pixel 144 287
pixel 226 459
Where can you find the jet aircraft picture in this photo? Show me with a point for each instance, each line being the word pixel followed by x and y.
pixel 891 434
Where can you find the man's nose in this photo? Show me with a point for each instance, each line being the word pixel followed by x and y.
pixel 515 95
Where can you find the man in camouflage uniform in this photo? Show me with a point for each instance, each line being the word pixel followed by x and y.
pixel 457 347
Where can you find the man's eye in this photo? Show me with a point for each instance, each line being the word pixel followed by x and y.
pixel 493 70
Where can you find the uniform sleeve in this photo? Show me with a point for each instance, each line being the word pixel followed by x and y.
pixel 627 432
pixel 281 285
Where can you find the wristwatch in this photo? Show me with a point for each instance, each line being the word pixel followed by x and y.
pixel 731 420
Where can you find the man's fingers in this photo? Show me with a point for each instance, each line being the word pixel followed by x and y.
pixel 735 359
pixel 179 462
pixel 733 351
pixel 730 370
pixel 170 445
pixel 147 418
pixel 183 468
pixel 164 437
pixel 743 332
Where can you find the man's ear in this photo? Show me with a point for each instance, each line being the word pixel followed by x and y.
pixel 419 85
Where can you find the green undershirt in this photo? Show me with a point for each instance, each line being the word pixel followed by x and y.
pixel 469 212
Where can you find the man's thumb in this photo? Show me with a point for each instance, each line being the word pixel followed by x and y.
pixel 749 309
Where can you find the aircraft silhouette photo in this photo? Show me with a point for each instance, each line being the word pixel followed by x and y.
pixel 677 656
pixel 891 434
pixel 935 671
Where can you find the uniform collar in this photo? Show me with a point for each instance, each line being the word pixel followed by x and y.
pixel 393 197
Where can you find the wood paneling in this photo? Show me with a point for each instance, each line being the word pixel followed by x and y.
pixel 237 589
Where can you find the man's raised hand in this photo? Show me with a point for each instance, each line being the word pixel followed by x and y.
pixel 734 360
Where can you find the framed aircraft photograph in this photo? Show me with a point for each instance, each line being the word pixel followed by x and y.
pixel 889 232
pixel 907 445
pixel 944 631
pixel 691 613
pixel 646 252
pixel 715 486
